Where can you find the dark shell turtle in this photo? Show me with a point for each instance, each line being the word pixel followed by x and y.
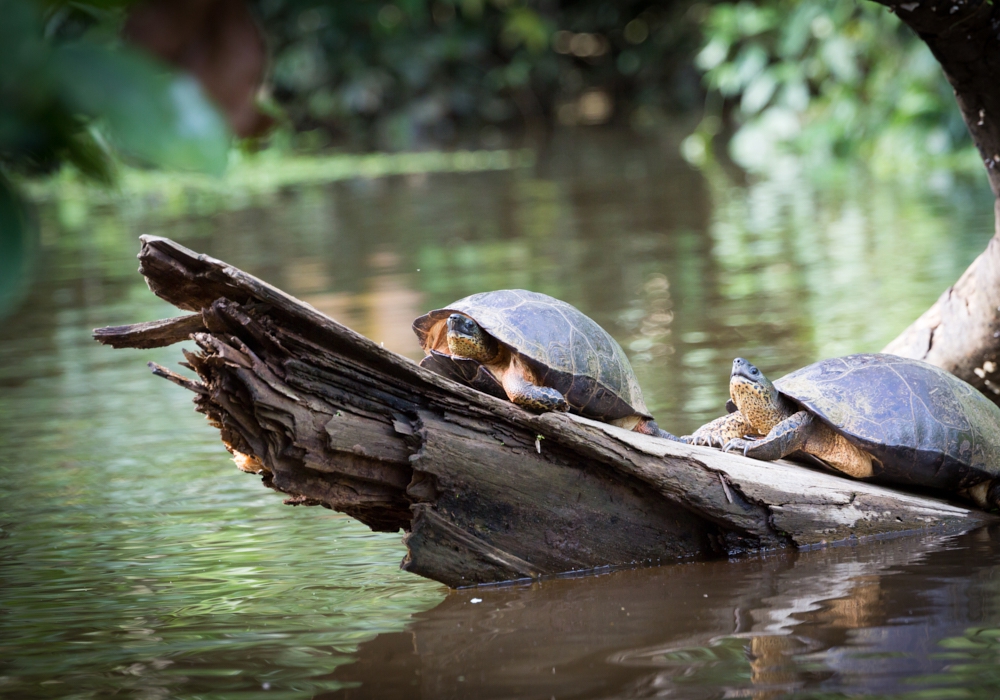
pixel 539 352
pixel 907 422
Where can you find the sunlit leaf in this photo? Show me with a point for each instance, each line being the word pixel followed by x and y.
pixel 796 30
pixel 754 19
pixel 149 112
pixel 795 94
pixel 713 54
pixel 759 92
pixel 749 63
pixel 526 27
pixel 838 53
pixel 860 83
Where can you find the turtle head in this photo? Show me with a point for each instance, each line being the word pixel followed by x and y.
pixel 467 339
pixel 755 396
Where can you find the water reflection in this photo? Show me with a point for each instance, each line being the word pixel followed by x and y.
pixel 883 618
pixel 134 558
pixel 685 269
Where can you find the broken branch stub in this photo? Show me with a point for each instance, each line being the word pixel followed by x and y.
pixel 329 417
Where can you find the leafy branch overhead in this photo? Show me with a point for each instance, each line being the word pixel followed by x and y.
pixel 825 80
pixel 74 97
pixel 71 92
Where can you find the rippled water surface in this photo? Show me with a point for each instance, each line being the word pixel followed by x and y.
pixel 136 560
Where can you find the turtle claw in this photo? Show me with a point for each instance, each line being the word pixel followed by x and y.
pixel 692 439
pixel 705 439
pixel 737 444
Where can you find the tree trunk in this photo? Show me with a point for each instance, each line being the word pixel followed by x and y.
pixel 484 490
pixel 961 332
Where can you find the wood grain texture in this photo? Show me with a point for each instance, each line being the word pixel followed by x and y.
pixel 154 334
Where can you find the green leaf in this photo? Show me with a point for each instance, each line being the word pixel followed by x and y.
pixel 85 151
pixel 527 27
pixel 796 31
pixel 759 92
pixel 156 115
pixel 749 63
pixel 714 53
pixel 16 248
pixel 839 55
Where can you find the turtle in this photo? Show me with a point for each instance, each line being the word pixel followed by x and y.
pixel 537 351
pixel 871 416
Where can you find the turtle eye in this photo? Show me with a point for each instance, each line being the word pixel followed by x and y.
pixel 755 371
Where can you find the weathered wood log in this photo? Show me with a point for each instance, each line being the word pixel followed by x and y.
pixel 484 490
pixel 961 332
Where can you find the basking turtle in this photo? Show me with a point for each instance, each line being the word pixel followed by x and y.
pixel 875 416
pixel 539 352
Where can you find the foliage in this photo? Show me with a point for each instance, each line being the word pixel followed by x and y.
pixel 68 93
pixel 403 73
pixel 15 248
pixel 824 80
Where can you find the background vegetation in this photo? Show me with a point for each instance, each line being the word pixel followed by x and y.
pixel 398 74
pixel 825 81
pixel 816 81
pixel 815 78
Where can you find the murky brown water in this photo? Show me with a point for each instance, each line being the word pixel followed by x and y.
pixel 135 559
pixel 898 617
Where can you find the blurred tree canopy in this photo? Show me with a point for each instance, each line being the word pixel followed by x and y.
pixel 825 80
pixel 398 74
pixel 820 78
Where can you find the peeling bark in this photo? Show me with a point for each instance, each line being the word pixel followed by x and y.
pixel 484 490
pixel 961 332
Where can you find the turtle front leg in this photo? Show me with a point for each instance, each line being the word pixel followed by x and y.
pixel 528 395
pixel 786 437
pixel 720 431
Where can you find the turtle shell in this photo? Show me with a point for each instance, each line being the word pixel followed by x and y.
pixel 565 349
pixel 924 426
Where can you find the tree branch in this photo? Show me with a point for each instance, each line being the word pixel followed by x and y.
pixel 961 332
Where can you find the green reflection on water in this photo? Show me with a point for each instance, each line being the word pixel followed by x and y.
pixel 135 557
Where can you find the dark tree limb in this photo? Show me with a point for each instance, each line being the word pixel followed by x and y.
pixel 961 332
pixel 484 490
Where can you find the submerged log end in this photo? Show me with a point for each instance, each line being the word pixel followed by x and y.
pixel 438 549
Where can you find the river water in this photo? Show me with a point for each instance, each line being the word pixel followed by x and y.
pixel 136 561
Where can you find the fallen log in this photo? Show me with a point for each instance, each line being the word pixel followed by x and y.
pixel 484 490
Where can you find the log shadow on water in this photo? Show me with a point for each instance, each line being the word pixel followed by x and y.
pixel 757 627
